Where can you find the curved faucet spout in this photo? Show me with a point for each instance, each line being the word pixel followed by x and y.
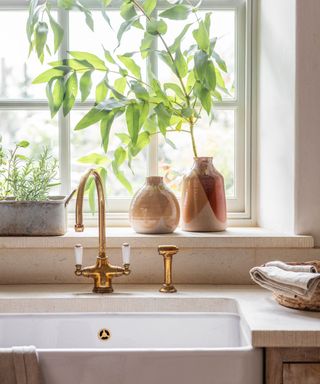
pixel 102 272
pixel 79 227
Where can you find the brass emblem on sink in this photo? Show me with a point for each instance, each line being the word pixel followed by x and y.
pixel 104 334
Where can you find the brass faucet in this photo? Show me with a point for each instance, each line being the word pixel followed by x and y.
pixel 102 272
pixel 167 251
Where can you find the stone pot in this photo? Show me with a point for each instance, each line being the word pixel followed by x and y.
pixel 34 218
pixel 154 208
pixel 203 200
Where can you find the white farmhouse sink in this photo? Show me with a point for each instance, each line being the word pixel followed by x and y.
pixel 138 348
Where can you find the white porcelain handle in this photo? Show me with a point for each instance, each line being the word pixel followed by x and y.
pixel 125 253
pixel 78 253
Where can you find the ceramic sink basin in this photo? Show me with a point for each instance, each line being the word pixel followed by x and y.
pixel 138 347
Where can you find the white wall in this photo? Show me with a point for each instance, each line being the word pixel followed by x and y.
pixel 276 114
pixel 307 182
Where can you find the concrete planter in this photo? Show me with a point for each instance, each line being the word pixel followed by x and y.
pixel 34 218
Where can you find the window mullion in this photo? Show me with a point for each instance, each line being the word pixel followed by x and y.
pixel 64 121
pixel 152 63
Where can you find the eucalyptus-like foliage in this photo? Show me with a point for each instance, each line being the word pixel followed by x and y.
pixel 149 107
pixel 26 178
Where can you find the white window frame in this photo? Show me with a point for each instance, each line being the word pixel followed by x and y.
pixel 240 211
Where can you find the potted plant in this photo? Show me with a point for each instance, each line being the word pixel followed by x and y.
pixel 150 107
pixel 25 205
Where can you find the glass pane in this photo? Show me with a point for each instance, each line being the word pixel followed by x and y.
pixel 34 126
pixel 88 140
pixel 83 39
pixel 214 139
pixel 17 70
pixel 222 27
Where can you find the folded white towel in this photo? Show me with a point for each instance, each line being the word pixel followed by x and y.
pixel 292 268
pixel 292 282
pixel 19 365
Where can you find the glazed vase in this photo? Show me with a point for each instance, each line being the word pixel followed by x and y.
pixel 203 199
pixel 154 208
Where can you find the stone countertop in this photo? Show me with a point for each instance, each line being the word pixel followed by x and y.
pixel 270 324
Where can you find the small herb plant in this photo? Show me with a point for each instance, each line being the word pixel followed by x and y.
pixel 25 178
pixel 150 107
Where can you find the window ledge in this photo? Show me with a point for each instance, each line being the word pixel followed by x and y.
pixel 232 238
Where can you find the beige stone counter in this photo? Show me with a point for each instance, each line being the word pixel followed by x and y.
pixel 270 324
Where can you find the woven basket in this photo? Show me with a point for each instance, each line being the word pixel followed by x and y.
pixel 299 302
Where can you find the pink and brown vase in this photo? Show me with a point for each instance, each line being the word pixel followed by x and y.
pixel 154 208
pixel 203 200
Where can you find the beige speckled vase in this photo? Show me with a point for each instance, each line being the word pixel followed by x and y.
pixel 154 208
pixel 203 200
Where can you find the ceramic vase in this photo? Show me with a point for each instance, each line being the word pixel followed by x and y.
pixel 203 200
pixel 154 208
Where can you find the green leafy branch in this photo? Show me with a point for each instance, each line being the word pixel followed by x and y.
pixel 149 107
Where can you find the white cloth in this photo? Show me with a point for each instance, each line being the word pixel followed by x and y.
pixel 19 365
pixel 286 279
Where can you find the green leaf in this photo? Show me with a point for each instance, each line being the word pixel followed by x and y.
pixel 127 11
pixel 93 158
pixel 165 57
pixel 181 64
pixel 150 125
pixel 149 6
pixel 157 27
pixel 57 33
pixel 201 35
pixel 57 95
pixel 66 4
pixel 130 65
pixel 123 180
pixel 119 156
pixel 85 85
pixel 48 75
pixel 140 92
pixel 164 115
pixel 179 38
pixel 132 119
pixel 190 80
pixel 87 13
pixel 101 91
pixel 94 60
pixel 146 44
pixel 105 128
pixel 90 118
pixel 144 112
pixel 159 92
pixel 171 143
pixel 106 2
pixel 143 141
pixel 204 96
pixel 124 27
pixel 177 12
pixel 176 89
pixel 120 85
pixel 204 70
pixel 41 33
pixel 71 93
pixel 125 139
pixel 23 144
pixel 108 56
pixel 221 63
pixel 71 64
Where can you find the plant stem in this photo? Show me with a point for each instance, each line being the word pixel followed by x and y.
pixel 194 147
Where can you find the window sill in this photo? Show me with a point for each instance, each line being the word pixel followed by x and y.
pixel 232 238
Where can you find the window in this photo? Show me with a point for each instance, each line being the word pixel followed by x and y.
pixel 24 112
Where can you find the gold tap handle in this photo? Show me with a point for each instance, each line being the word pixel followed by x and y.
pixel 167 251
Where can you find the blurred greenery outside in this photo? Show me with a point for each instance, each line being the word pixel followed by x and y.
pixel 214 139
